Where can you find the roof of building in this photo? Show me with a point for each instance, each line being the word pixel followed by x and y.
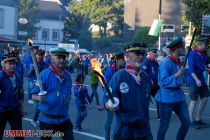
pixel 54 10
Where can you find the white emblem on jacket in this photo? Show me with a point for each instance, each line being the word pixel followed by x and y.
pixel 124 88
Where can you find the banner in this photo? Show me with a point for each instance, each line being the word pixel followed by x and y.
pixel 155 28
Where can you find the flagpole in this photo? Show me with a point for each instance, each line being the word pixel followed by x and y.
pixel 160 8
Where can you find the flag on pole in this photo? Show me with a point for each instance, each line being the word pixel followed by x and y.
pixel 155 28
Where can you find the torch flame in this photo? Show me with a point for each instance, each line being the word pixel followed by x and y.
pixel 96 66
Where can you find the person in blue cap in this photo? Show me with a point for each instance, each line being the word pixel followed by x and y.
pixel 151 66
pixel 29 66
pixel 198 87
pixel 131 86
pixel 19 66
pixel 82 100
pixel 118 63
pixel 11 95
pixel 41 65
pixel 170 95
pixel 47 57
pixel 54 101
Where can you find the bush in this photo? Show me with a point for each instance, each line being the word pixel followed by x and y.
pixel 103 43
pixel 142 36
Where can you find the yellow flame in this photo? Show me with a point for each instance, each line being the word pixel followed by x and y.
pixel 96 65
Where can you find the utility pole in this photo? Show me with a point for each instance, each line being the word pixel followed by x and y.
pixel 160 11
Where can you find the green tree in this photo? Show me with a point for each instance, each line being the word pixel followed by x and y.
pixel 142 36
pixel 29 10
pixel 118 18
pixel 85 38
pixel 72 27
pixel 194 12
pixel 100 12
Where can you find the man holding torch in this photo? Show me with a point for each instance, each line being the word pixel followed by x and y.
pixel 54 100
pixel 131 87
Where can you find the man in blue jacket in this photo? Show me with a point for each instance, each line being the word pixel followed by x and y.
pixel 151 66
pixel 118 63
pixel 131 87
pixel 170 95
pixel 54 102
pixel 11 95
pixel 197 65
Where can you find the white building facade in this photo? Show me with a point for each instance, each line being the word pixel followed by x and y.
pixel 52 15
pixel 8 21
pixel 49 34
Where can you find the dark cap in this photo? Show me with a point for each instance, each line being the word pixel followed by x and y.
pixel 58 51
pixel 154 50
pixel 40 52
pixel 136 47
pixel 177 43
pixel 8 57
pixel 118 56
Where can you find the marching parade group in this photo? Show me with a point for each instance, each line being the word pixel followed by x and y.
pixel 134 77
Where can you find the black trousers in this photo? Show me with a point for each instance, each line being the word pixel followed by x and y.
pixel 65 127
pixel 14 118
pixel 148 137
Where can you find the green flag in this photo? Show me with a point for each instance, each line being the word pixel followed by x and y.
pixel 155 28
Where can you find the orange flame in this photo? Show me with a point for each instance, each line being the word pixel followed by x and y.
pixel 96 66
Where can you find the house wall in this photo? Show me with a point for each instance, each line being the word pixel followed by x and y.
pixel 140 13
pixel 50 25
pixel 9 29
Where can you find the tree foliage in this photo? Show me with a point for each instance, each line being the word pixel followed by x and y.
pixel 100 12
pixel 85 38
pixel 72 27
pixel 142 36
pixel 194 12
pixel 29 10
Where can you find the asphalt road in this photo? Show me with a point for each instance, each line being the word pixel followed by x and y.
pixel 93 125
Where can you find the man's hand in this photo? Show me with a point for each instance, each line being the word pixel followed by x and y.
pixel 180 72
pixel 112 107
pixel 198 83
pixel 41 97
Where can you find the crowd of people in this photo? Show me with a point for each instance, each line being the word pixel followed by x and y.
pixel 135 76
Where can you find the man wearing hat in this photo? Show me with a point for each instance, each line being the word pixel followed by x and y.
pixel 41 65
pixel 150 66
pixel 47 58
pixel 118 63
pixel 170 95
pixel 198 86
pixel 29 66
pixel 19 66
pixel 11 95
pixel 131 87
pixel 54 102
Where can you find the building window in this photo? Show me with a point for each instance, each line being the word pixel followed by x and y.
pixel 45 34
pixel 55 35
pixel 1 18
pixel 184 27
pixel 168 28
pixel 35 37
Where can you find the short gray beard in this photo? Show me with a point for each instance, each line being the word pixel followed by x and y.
pixel 137 64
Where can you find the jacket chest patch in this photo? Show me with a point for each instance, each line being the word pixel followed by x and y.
pixel 124 88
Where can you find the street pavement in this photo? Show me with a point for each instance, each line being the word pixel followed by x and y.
pixel 93 125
